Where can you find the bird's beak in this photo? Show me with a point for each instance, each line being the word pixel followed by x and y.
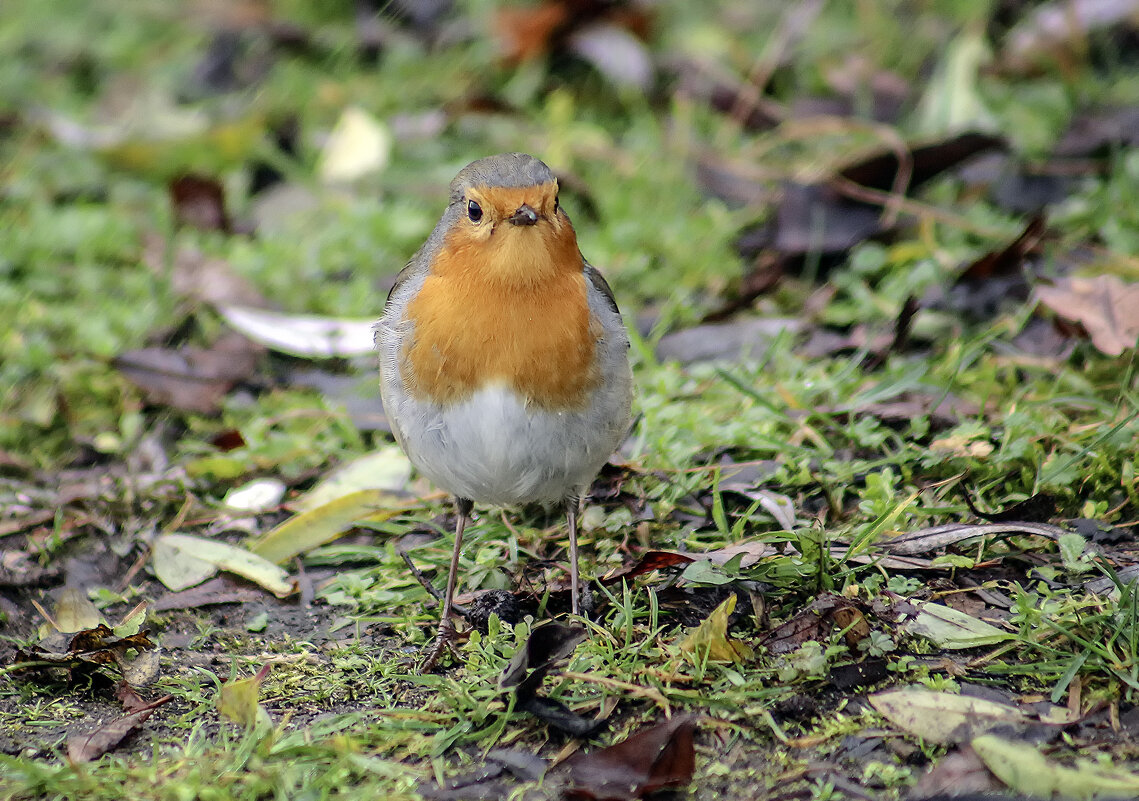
pixel 524 216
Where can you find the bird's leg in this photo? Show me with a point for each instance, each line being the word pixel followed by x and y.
pixel 573 505
pixel 446 636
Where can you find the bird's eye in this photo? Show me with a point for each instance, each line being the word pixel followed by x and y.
pixel 474 211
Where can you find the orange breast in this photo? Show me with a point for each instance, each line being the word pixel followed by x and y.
pixel 528 327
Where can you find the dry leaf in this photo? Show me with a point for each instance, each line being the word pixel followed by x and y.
pixel 711 637
pixel 1107 308
pixel 103 739
pixel 652 759
pixel 944 717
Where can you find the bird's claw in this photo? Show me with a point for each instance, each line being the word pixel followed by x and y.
pixel 444 640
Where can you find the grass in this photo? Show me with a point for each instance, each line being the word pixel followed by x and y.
pixel 348 715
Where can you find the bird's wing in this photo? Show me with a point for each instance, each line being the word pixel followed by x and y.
pixel 600 284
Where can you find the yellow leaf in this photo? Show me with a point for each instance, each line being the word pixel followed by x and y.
pixel 712 636
pixel 238 700
pixel 315 527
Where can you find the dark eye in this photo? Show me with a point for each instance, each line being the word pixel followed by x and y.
pixel 474 211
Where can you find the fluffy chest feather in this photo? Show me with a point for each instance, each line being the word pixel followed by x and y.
pixel 522 322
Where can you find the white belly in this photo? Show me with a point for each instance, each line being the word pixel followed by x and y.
pixel 494 449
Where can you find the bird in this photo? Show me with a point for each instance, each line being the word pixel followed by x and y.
pixel 504 359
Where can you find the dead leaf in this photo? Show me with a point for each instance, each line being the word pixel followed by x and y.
pixel 1105 306
pixel 547 645
pixel 179 559
pixel 130 699
pixel 814 622
pixel 929 539
pixel 220 590
pixel 358 146
pixel 944 410
pixel 1099 133
pixel 526 33
pixel 105 738
pixel 649 561
pixel 948 628
pixel 75 612
pixel 303 335
pixel 325 523
pixel 191 379
pixel 84 650
pixel 199 202
pixel 143 669
pixel 944 717
pixel 1008 260
pixel 711 640
pixel 958 772
pixel 830 217
pixel 746 104
pixel 238 700
pixel 741 340
pixel 655 758
pixel 1025 769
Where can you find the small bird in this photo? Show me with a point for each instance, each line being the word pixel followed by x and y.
pixel 504 364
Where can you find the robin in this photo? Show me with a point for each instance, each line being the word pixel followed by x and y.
pixel 504 366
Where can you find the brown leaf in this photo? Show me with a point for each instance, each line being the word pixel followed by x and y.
pixel 547 645
pixel 103 739
pixel 721 90
pixel 880 171
pixel 191 379
pixel 1008 259
pixel 131 700
pixel 220 590
pixel 752 551
pixel 197 276
pixel 526 33
pixel 652 759
pixel 812 623
pixel 90 639
pixel 944 410
pixel 956 773
pixel 199 202
pixel 1038 508
pixel 649 561
pixel 1105 306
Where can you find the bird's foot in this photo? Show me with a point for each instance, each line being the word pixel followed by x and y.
pixel 444 641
